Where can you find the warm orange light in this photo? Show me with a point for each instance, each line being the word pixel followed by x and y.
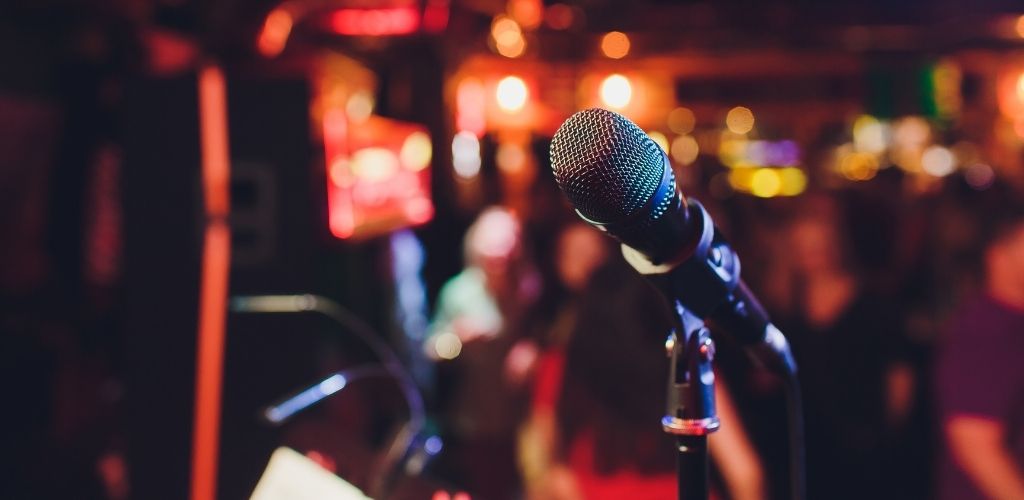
pixel 938 161
pixel 528 13
pixel 514 49
pixel 911 132
pixel 374 164
pixel 359 106
pixel 615 45
pixel 508 37
pixel 685 149
pixel 616 91
pixel 1020 26
pixel 511 94
pixel 740 120
pixel 870 135
pixel 375 22
pixel 505 30
pixel 858 166
pixel 416 151
pixel 1010 92
pixel 681 121
pixel 274 35
pixel 213 283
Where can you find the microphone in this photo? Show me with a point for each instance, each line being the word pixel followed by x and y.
pixel 620 181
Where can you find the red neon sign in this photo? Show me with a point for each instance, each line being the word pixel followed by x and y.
pixel 378 176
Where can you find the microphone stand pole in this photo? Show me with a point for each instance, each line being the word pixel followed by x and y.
pixel 691 414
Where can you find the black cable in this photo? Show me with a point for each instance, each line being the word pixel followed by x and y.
pixel 405 438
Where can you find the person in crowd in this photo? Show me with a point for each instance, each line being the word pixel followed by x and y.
pixel 979 374
pixel 597 407
pixel 577 250
pixel 852 356
pixel 474 330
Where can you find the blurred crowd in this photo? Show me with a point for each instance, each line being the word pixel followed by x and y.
pixel 904 307
pixel 903 314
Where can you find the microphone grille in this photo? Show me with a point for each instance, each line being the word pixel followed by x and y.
pixel 606 165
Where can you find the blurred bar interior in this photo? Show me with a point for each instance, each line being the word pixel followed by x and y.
pixel 343 210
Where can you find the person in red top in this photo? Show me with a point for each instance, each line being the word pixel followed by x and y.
pixel 594 430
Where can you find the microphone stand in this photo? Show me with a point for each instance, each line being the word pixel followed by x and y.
pixel 691 414
pixel 704 282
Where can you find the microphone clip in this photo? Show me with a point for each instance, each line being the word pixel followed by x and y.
pixel 691 383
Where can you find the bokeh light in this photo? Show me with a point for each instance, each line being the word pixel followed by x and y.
pixel 447 345
pixel 911 132
pixel 615 45
pixel 359 106
pixel 794 181
pixel 505 30
pixel 681 121
pixel 514 49
pixel 616 91
pixel 374 164
pixel 416 151
pixel 528 13
pixel 508 37
pixel 733 152
pixel 870 135
pixel 858 166
pixel 466 155
pixel 765 183
pixel 685 149
pixel 980 176
pixel 659 139
pixel 276 30
pixel 740 120
pixel 511 94
pixel 938 161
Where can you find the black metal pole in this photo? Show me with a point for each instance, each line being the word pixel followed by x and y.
pixel 691 413
pixel 692 467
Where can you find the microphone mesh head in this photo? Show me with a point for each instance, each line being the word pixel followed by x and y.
pixel 606 165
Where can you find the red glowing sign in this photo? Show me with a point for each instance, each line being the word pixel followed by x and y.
pixel 378 175
pixel 375 22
